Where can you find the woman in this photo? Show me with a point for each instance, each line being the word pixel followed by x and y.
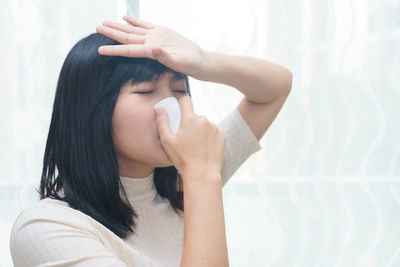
pixel 113 174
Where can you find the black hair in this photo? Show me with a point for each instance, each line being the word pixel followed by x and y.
pixel 80 157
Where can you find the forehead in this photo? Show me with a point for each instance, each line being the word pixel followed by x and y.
pixel 178 76
pixel 174 76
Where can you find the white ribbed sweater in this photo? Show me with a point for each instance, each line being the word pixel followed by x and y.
pixel 50 233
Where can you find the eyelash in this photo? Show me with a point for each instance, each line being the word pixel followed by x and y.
pixel 148 92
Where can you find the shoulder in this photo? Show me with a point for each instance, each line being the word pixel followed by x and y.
pixel 50 210
pixel 45 216
pixel 49 230
pixel 241 143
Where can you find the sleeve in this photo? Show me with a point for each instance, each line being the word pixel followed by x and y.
pixel 240 143
pixel 44 236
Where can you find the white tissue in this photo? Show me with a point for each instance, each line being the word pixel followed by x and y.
pixel 171 105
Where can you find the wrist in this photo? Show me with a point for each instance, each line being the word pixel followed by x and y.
pixel 205 65
pixel 198 173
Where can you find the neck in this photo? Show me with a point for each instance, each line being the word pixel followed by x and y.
pixel 134 169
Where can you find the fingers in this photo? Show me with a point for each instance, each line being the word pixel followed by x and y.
pixel 138 22
pixel 186 106
pixel 120 36
pixel 162 123
pixel 128 28
pixel 130 50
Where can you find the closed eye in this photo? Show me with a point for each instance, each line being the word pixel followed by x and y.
pixel 149 92
pixel 181 91
pixel 142 93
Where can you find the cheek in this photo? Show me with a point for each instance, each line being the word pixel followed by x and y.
pixel 134 126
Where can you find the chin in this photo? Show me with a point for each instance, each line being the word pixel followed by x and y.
pixel 163 160
pixel 163 165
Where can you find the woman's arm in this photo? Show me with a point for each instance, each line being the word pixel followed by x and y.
pixel 197 152
pixel 259 80
pixel 265 85
pixel 204 231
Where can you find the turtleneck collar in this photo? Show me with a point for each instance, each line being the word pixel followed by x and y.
pixel 139 189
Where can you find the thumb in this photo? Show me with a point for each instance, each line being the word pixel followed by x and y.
pixel 162 123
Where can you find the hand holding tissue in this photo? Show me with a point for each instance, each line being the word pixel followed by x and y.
pixel 190 141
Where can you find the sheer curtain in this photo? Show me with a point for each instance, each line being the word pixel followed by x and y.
pixel 325 189
pixel 35 39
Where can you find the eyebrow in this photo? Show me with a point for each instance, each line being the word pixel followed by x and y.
pixel 178 76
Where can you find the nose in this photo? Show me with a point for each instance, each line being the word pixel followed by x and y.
pixel 164 92
pixel 171 105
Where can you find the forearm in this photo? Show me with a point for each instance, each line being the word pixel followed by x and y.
pixel 204 224
pixel 259 80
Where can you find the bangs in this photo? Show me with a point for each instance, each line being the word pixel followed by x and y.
pixel 137 70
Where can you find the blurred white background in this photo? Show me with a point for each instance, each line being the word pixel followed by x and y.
pixel 325 188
